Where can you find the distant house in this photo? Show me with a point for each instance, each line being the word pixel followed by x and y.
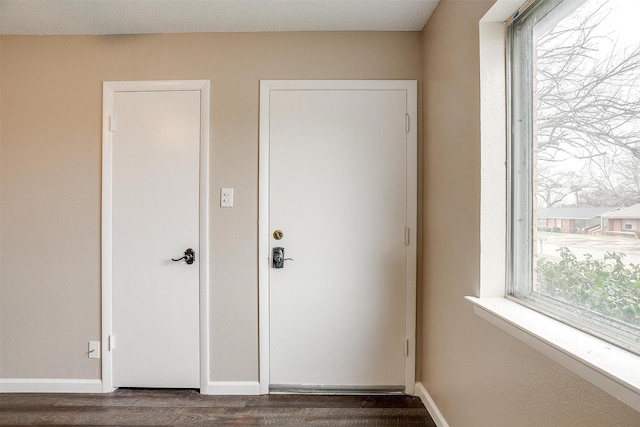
pixel 571 219
pixel 624 220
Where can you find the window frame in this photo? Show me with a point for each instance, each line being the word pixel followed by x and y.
pixel 521 170
pixel 612 369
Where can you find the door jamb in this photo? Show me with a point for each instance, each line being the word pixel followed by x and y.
pixel 108 90
pixel 266 87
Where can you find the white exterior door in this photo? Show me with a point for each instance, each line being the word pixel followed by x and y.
pixel 338 193
pixel 155 217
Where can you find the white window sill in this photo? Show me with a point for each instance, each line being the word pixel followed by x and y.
pixel 608 367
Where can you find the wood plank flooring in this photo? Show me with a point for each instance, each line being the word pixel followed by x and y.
pixel 180 407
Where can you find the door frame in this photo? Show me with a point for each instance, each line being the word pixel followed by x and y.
pixel 109 89
pixel 268 86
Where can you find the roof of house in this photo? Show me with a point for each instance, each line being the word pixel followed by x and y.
pixel 573 212
pixel 632 211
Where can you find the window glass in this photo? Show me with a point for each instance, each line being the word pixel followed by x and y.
pixel 574 162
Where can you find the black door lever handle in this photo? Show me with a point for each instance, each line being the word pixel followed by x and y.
pixel 278 257
pixel 189 256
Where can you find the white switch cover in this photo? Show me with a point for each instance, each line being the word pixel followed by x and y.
pixel 94 349
pixel 226 197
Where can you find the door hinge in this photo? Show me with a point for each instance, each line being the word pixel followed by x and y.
pixel 111 343
pixel 112 126
pixel 406 236
pixel 406 348
pixel 406 123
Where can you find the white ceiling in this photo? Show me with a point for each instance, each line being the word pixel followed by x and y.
pixel 46 17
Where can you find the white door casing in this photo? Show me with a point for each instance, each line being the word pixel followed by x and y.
pixel 391 319
pixel 171 297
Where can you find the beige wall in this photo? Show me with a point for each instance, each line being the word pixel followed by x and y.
pixel 50 94
pixel 50 185
pixel 477 375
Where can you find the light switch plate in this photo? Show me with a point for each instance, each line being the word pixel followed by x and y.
pixel 94 349
pixel 226 197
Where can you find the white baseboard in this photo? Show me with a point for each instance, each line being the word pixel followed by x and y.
pixel 428 402
pixel 49 385
pixel 233 387
pixel 54 385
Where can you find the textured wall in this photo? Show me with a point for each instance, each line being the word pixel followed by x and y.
pixel 50 185
pixel 477 375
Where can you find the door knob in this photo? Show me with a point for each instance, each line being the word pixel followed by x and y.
pixel 189 256
pixel 278 257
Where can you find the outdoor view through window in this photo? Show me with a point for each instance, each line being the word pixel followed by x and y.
pixel 584 180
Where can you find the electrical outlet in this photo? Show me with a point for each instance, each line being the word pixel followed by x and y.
pixel 94 349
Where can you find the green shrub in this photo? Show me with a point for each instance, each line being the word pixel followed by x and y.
pixel 608 287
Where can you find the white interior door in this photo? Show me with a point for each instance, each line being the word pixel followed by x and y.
pixel 155 217
pixel 338 193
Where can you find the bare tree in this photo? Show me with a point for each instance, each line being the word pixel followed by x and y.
pixel 588 113
pixel 555 188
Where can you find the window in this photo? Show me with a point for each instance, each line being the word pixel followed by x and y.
pixel 574 115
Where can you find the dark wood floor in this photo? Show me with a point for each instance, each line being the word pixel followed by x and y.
pixel 177 407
